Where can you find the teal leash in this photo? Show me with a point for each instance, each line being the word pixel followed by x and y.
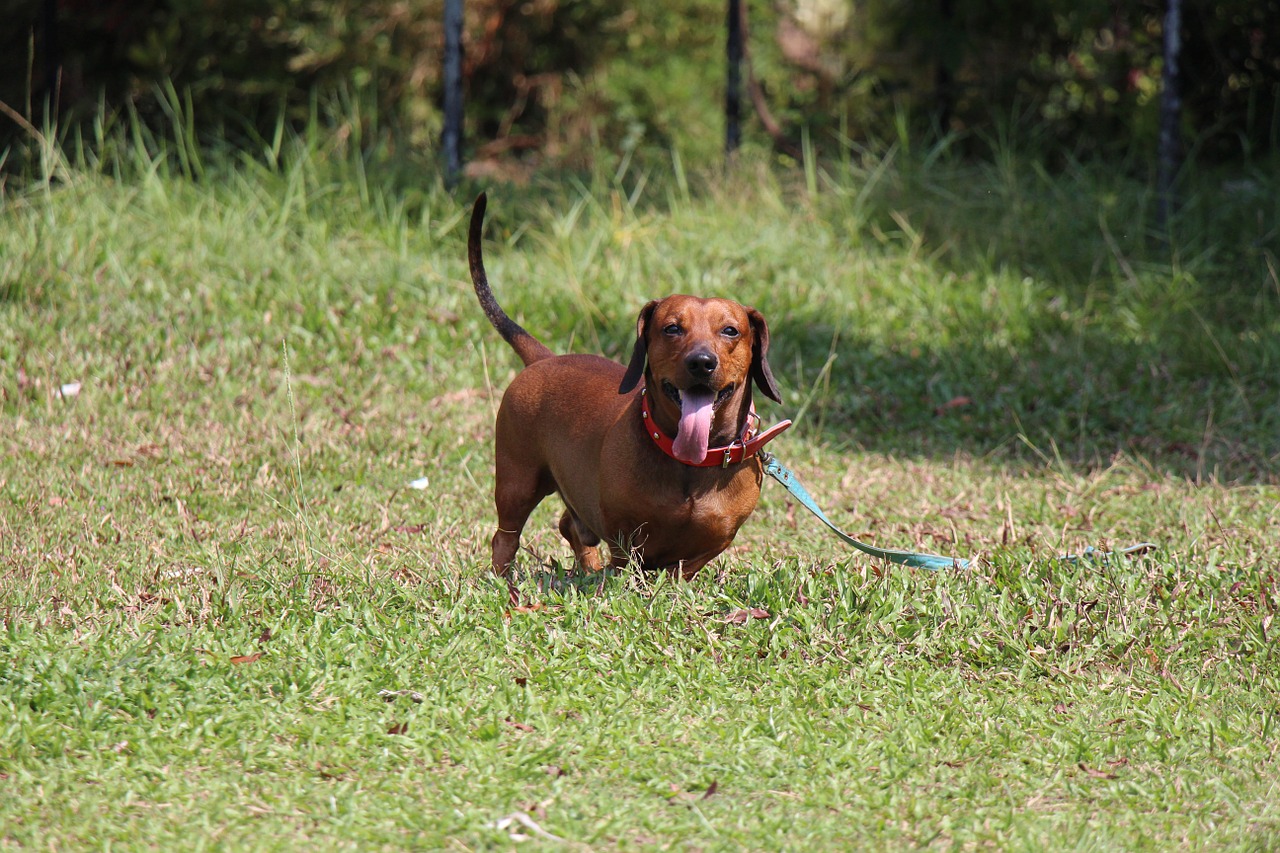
pixel 787 478
pixel 932 562
pixel 1093 555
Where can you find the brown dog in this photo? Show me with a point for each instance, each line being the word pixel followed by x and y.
pixel 577 425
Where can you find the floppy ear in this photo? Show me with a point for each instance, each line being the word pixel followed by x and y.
pixel 635 369
pixel 760 371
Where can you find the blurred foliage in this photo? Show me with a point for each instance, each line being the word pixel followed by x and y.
pixel 561 82
pixel 1087 73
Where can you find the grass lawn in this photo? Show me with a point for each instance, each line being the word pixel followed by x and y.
pixel 229 621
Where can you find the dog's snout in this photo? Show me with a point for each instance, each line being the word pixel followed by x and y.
pixel 701 364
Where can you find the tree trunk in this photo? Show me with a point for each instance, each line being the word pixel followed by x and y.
pixel 1169 158
pixel 451 139
pixel 52 56
pixel 733 86
pixel 943 80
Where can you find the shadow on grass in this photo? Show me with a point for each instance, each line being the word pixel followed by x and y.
pixel 1121 346
pixel 1161 349
pixel 1119 342
pixel 1042 405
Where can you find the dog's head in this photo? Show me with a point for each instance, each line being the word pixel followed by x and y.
pixel 699 356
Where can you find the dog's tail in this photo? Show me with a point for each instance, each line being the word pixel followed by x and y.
pixel 529 348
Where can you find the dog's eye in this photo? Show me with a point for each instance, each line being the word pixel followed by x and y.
pixel 729 332
pixel 672 329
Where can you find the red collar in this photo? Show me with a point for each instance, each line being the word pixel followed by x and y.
pixel 744 447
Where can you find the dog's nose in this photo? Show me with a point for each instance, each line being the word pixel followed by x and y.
pixel 701 364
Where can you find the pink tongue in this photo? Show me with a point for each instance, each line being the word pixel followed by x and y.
pixel 694 433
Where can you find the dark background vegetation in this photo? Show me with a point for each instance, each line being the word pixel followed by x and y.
pixel 567 82
pixel 999 140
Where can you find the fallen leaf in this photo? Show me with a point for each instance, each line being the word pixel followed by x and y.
pixel 392 695
pixel 953 403
pixel 181 573
pixel 524 727
pixel 740 616
pixel 398 729
pixel 409 528
pixel 1096 774
pixel 264 636
pixel 530 608
pixel 1060 708
pixel 711 789
pixel 506 824
pixel 57 501
pixel 459 396
pixel 239 659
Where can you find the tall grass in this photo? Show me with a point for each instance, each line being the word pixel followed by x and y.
pixel 987 358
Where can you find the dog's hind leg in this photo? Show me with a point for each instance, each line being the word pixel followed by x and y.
pixel 582 541
pixel 517 491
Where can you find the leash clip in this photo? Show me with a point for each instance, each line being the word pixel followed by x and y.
pixel 749 431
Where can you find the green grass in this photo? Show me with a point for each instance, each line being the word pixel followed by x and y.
pixel 988 360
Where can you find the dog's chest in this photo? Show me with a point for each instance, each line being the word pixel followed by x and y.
pixel 696 509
